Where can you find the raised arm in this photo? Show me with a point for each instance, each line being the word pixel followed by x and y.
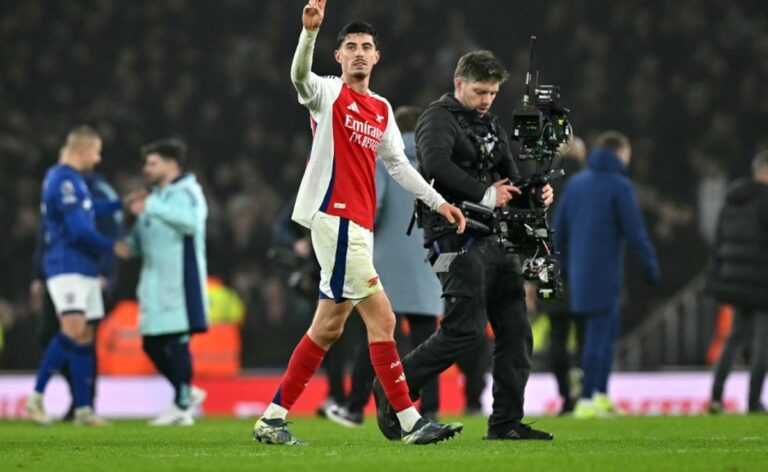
pixel 301 68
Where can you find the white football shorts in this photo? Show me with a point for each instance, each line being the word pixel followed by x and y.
pixel 76 293
pixel 344 250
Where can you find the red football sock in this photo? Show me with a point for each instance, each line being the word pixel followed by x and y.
pixel 305 361
pixel 389 370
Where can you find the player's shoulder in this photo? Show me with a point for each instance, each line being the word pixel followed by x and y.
pixel 64 172
pixel 376 96
pixel 383 104
pixel 328 80
pixel 57 174
pixel 65 180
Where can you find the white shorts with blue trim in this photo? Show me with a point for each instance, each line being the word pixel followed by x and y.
pixel 76 293
pixel 344 250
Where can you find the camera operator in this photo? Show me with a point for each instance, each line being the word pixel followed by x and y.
pixel 465 151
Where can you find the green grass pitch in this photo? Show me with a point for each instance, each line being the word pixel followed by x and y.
pixel 727 443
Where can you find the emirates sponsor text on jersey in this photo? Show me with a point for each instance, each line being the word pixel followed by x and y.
pixel 364 134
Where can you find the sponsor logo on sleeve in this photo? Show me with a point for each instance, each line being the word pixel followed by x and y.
pixel 68 192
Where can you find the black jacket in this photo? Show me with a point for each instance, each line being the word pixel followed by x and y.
pixel 739 270
pixel 447 153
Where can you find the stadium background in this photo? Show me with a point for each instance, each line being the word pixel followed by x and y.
pixel 683 78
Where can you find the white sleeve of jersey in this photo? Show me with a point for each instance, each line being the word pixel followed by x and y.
pixel 315 93
pixel 392 154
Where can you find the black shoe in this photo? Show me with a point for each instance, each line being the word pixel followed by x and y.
pixel 427 432
pixel 520 431
pixel 715 407
pixel 759 408
pixel 344 417
pixel 385 414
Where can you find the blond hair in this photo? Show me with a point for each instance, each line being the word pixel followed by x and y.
pixel 83 135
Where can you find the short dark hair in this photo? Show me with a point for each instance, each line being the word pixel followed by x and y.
pixel 480 66
pixel 612 141
pixel 406 117
pixel 357 27
pixel 168 149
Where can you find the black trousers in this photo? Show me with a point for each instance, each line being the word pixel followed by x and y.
pixel 750 329
pixel 561 320
pixel 483 284
pixel 171 356
pixel 474 364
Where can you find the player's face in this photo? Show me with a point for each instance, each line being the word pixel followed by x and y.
pixel 90 154
pixel 156 169
pixel 357 55
pixel 477 96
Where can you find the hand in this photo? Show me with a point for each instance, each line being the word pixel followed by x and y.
pixel 453 215
pixel 547 195
pixel 122 250
pixel 136 194
pixel 137 206
pixel 313 14
pixel 504 192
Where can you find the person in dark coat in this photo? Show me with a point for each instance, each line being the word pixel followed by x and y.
pixel 597 216
pixel 739 276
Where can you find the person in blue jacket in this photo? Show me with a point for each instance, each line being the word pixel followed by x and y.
pixel 597 216
pixel 72 250
pixel 169 236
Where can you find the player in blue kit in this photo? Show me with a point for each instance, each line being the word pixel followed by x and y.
pixel 72 248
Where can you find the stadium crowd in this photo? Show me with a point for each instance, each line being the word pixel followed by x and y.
pixel 682 78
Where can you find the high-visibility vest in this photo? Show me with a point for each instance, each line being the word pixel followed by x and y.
pixel 118 343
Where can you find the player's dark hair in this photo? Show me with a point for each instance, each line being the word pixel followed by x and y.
pixel 480 66
pixel 357 27
pixel 613 141
pixel 168 149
